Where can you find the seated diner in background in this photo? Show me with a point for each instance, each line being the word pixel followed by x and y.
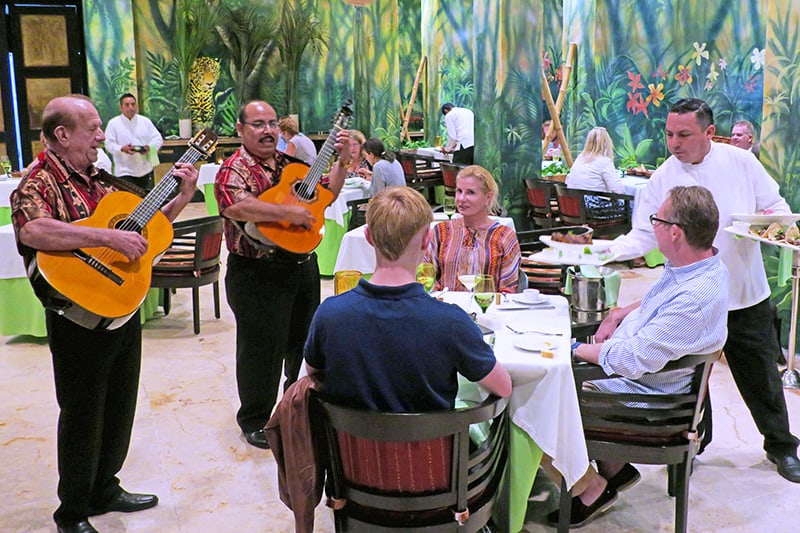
pixel 683 313
pixel 594 170
pixel 553 147
pixel 386 170
pixel 475 237
pixel 297 144
pixel 358 167
pixel 405 378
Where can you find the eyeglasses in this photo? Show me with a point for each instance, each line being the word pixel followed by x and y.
pixel 654 219
pixel 260 124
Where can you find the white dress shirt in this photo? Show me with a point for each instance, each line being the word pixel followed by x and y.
pixel 598 174
pixel 138 131
pixel 739 184
pixel 460 124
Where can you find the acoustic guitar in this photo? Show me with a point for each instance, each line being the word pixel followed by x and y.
pixel 98 288
pixel 299 185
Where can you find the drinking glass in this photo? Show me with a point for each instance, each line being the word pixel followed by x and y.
pixel 449 207
pixel 483 291
pixel 6 165
pixel 344 280
pixel 426 274
pixel 467 267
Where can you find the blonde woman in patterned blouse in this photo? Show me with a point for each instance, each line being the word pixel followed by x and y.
pixel 497 246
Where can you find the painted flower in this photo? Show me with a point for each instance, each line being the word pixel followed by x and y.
pixel 633 101
pixel 559 73
pixel 723 64
pixel 708 86
pixel 757 58
pixel 656 94
pixel 712 74
pixel 684 74
pixel 636 81
pixel 661 73
pixel 546 61
pixel 700 53
pixel 641 106
pixel 750 86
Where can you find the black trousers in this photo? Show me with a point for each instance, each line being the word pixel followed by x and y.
pixel 97 381
pixel 146 182
pixel 750 351
pixel 464 156
pixel 273 302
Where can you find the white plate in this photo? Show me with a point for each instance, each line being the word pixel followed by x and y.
pixel 533 342
pixel 521 299
pixel 768 219
pixel 598 245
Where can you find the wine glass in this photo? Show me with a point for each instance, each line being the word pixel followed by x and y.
pixel 483 291
pixel 426 274
pixel 449 207
pixel 467 267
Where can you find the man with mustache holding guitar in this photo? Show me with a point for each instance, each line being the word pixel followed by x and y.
pixel 272 280
pixel 96 370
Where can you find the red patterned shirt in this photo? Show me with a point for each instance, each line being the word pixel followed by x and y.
pixel 53 190
pixel 242 176
pixel 498 253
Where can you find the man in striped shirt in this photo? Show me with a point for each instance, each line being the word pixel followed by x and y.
pixel 684 313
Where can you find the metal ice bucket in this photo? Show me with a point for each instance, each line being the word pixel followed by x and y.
pixel 588 294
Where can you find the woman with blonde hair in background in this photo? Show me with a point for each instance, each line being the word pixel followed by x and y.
pixel 594 170
pixel 494 246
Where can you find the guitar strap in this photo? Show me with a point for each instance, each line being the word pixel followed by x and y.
pixel 122 184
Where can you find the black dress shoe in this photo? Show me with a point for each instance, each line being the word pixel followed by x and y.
pixel 625 478
pixel 126 502
pixel 257 438
pixel 583 514
pixel 79 527
pixel 788 466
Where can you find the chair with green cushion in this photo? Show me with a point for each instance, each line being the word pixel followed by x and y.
pixel 413 471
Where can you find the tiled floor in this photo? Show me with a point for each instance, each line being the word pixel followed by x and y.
pixel 187 448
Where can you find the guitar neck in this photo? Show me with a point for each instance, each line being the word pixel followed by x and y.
pixel 159 195
pixel 323 157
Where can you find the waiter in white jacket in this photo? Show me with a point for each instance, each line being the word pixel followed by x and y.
pixel 133 141
pixel 740 184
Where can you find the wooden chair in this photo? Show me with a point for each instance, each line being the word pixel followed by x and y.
pixel 607 222
pixel 358 215
pixel 413 471
pixel 549 279
pixel 661 429
pixel 420 177
pixel 542 203
pixel 193 260
pixel 449 173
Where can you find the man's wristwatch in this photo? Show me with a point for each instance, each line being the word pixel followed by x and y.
pixel 575 347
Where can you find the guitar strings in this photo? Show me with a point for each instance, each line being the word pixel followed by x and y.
pixel 136 220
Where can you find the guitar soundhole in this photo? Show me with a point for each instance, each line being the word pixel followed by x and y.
pixel 304 192
pixel 126 224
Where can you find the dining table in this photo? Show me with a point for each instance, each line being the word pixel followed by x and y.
pixel 7 186
pixel 532 341
pixel 355 253
pixel 337 215
pixel 21 313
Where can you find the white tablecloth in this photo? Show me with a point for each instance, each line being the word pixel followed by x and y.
pixel 6 188
pixel 544 402
pixel 355 253
pixel 335 211
pixel 633 186
pixel 11 265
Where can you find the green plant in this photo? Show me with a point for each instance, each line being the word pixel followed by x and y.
pixel 250 39
pixel 298 29
pixel 554 169
pixel 195 21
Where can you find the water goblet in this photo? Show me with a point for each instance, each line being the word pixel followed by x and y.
pixel 483 291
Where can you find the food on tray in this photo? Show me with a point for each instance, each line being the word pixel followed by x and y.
pixel 572 237
pixel 777 233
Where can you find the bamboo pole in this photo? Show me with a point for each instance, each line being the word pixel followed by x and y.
pixel 566 72
pixel 404 132
pixel 556 123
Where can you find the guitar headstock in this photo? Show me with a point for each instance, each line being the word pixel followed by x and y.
pixel 344 116
pixel 204 142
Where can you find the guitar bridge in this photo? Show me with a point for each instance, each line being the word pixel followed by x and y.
pixel 98 266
